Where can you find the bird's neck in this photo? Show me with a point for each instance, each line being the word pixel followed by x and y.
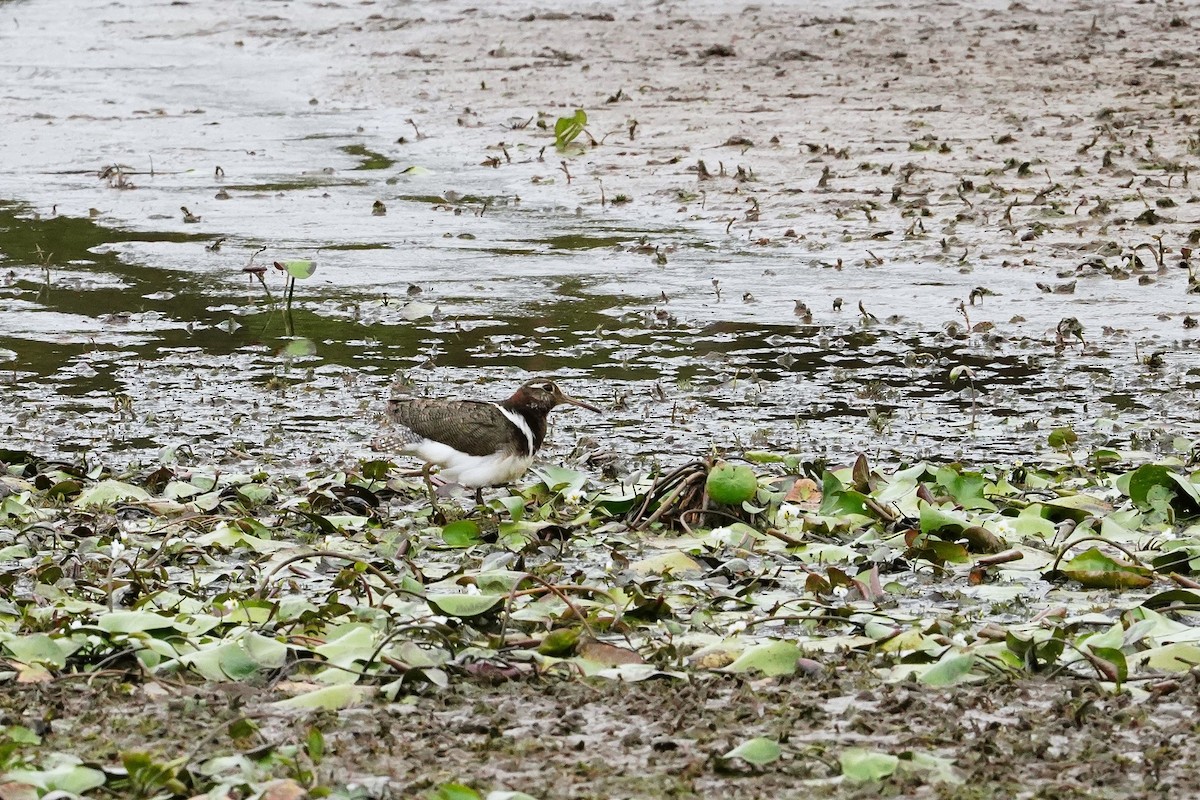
pixel 535 418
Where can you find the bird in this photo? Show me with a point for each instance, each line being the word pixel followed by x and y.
pixel 477 443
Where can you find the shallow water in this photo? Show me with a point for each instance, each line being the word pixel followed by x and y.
pixel 122 332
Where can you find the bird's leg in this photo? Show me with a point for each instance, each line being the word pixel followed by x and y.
pixel 427 474
pixel 479 495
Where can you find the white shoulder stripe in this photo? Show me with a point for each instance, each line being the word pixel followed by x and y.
pixel 522 426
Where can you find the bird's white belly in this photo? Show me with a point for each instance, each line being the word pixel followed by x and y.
pixel 471 471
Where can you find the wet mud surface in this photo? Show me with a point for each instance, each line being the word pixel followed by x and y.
pixel 664 739
pixel 964 177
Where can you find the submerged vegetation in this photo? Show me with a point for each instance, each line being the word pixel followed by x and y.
pixel 334 589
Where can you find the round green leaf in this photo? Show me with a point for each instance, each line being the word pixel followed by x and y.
pixel 461 533
pixel 300 269
pixel 731 484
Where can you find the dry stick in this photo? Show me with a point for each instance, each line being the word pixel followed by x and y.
pixel 883 512
pixel 1187 583
pixel 1091 658
pixel 1062 551
pixel 663 482
pixel 1000 558
pixel 669 500
pixel 790 540
pixel 258 593
pixel 813 618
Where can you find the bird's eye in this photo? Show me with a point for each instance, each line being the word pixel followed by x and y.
pixel 548 387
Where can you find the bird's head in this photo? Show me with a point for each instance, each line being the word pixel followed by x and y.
pixel 544 394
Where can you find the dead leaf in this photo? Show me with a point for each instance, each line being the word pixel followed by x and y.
pixel 608 654
pixel 17 791
pixel 805 493
pixel 284 789
pixel 32 673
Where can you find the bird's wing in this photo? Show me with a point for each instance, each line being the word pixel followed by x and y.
pixel 469 426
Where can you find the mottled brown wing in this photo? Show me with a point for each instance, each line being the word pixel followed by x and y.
pixel 469 426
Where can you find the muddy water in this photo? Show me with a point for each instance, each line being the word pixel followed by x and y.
pixel 900 158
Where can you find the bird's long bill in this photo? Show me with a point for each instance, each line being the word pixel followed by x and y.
pixel 563 397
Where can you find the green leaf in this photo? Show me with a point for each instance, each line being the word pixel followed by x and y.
pixel 770 658
pixel 221 662
pixel 860 764
pixel 464 605
pixel 952 669
pixel 671 562
pixel 1095 570
pixel 264 651
pixel 454 791
pixel 21 735
pixel 566 129
pixel 514 504
pixel 37 648
pixel 760 457
pixel 106 493
pixel 1114 657
pixel 756 751
pixel 314 744
pixel 329 698
pixel 1077 507
pixel 967 488
pixel 837 500
pixel 300 347
pixel 1177 657
pixel 135 622
pixel 300 269
pixel 934 519
pixel 462 533
pixel 1155 486
pixel 1062 438
pixel 71 778
pixel 559 643
pixel 64 488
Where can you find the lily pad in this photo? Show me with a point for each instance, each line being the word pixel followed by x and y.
pixel 1095 570
pixel 108 492
pixel 757 751
pixel 770 658
pixel 862 765
pixel 464 605
pixel 731 484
